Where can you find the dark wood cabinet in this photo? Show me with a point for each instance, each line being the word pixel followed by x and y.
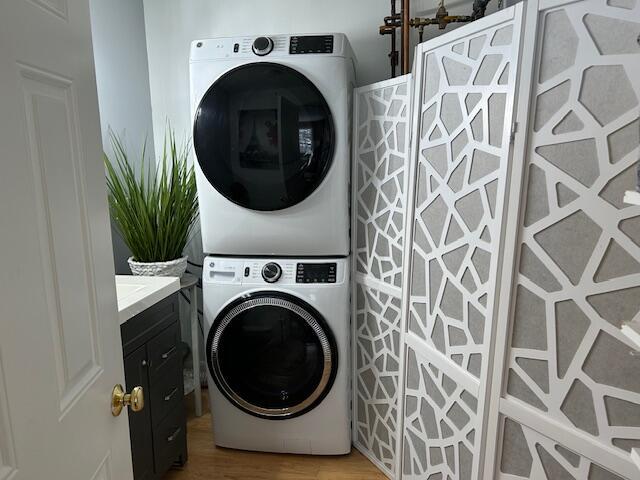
pixel 153 360
pixel 135 371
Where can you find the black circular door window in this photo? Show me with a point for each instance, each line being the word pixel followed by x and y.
pixel 264 136
pixel 272 355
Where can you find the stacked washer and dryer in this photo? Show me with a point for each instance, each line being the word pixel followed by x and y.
pixel 271 137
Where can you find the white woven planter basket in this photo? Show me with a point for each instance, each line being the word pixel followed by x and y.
pixel 172 268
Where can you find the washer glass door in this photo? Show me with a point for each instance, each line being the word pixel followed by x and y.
pixel 263 136
pixel 272 355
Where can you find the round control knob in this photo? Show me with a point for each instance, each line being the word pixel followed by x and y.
pixel 271 272
pixel 262 46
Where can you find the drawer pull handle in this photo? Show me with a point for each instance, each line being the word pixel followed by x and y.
pixel 170 395
pixel 168 353
pixel 173 436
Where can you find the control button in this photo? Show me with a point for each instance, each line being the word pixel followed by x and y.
pixel 271 272
pixel 247 271
pixel 262 46
pixel 236 47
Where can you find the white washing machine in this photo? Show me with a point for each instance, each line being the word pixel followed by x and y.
pixel 271 135
pixel 278 353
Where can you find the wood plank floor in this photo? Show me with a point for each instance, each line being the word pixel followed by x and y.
pixel 206 461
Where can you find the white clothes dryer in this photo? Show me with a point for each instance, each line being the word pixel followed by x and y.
pixel 278 353
pixel 271 134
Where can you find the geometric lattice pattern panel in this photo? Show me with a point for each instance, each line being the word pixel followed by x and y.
pixel 377 344
pixel 579 264
pixel 463 153
pixel 379 178
pixel 439 426
pixel 526 454
pixel 464 112
pixel 379 197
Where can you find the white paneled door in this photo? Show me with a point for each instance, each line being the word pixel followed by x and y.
pixel 60 352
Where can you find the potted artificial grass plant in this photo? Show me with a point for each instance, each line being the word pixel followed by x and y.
pixel 154 210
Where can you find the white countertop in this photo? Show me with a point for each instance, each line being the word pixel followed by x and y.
pixel 137 293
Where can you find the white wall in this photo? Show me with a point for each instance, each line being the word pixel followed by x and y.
pixel 171 25
pixel 122 76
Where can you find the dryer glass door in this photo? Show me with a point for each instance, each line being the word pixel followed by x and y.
pixel 272 355
pixel 263 135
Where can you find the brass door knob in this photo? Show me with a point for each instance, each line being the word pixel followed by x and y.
pixel 120 399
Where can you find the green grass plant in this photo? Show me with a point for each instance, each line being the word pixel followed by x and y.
pixel 154 209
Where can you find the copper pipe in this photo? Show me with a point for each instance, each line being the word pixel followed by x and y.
pixel 405 35
pixel 393 19
pixel 441 21
pixel 403 22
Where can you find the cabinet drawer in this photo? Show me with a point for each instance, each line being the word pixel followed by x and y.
pixel 164 350
pixel 138 330
pixel 135 372
pixel 169 441
pixel 166 392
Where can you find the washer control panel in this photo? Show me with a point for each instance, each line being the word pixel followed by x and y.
pixel 276 271
pixel 316 272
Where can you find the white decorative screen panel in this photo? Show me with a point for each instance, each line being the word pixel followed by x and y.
pixel 526 454
pixel 463 113
pixel 440 423
pixel 578 277
pixel 463 155
pixel 377 373
pixel 381 146
pixel 381 134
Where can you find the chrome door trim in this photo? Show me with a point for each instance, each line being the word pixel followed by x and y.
pixel 274 413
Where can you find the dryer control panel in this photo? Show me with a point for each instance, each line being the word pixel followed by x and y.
pixel 300 44
pixel 269 46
